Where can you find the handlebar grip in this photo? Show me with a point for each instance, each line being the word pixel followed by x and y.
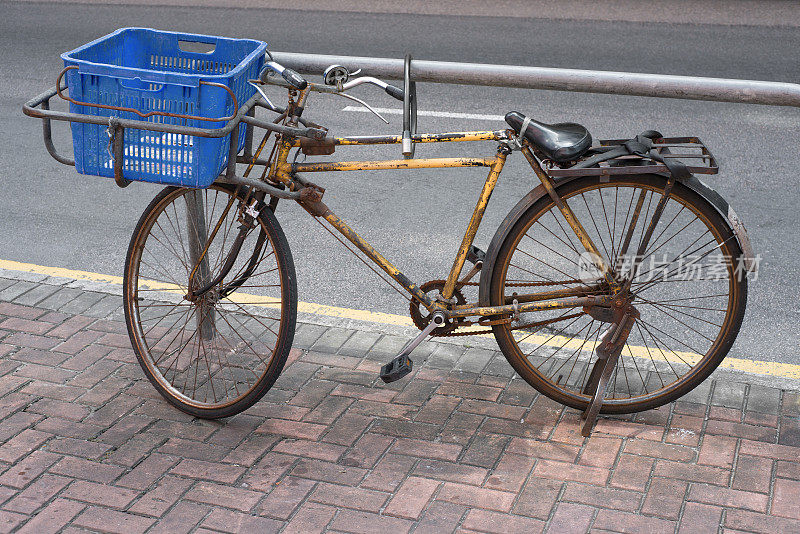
pixel 395 92
pixel 294 79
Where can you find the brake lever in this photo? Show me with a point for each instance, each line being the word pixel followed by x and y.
pixel 351 97
pixel 263 95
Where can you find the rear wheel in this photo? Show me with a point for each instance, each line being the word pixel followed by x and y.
pixel 214 355
pixel 689 291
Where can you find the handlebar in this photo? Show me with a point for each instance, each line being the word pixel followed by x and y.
pixel 291 77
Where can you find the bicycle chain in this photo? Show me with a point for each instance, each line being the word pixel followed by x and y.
pixel 464 322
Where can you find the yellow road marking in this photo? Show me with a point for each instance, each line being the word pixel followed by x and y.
pixel 777 369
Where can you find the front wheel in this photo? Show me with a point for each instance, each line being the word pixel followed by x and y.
pixel 216 354
pixel 689 290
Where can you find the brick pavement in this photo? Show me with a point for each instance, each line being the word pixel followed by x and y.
pixel 87 444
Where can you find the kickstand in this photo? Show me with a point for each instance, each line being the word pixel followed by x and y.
pixel 608 351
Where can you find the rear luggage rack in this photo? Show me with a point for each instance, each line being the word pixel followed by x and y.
pixel 690 150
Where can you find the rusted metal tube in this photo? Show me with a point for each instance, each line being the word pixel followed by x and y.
pixel 433 163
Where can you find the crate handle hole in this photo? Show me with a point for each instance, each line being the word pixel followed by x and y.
pixel 197 47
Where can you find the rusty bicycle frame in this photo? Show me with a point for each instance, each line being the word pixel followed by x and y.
pixel 286 173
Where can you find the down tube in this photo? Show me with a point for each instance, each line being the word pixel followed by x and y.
pixel 376 257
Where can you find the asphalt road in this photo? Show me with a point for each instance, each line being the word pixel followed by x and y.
pixel 52 216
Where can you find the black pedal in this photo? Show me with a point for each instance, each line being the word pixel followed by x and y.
pixel 475 255
pixel 396 369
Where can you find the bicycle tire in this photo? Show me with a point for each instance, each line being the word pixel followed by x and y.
pixel 540 370
pixel 230 351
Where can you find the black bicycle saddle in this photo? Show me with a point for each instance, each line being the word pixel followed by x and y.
pixel 560 142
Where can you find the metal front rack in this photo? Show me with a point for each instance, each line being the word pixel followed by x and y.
pixel 689 150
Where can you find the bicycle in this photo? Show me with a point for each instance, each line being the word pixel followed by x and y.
pixel 568 285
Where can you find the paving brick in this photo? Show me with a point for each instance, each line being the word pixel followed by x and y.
pixel 22 444
pixel 444 356
pixel 485 521
pixel 218 494
pixel 358 344
pixel 718 451
pixel 625 522
pixel 656 449
pixel 181 519
pixel 70 326
pixel 25 325
pixel 389 472
pixel 162 497
pixel 768 450
pixel 367 450
pixel 329 472
pixel 785 469
pixel 331 340
pixel 789 431
pixel 65 427
pixel 382 409
pixel 349 497
pixel 664 498
pixel 485 449
pixel 440 517
pixel 476 497
pixel 566 471
pixel 311 517
pixel 9 521
pixel 700 518
pixel 36 495
pixel 756 522
pixel 57 408
pixel 515 428
pixel 763 399
pixel 511 472
pixel 492 409
pixel 286 497
pixel 105 520
pixel 17 310
pixel 213 471
pixel 78 447
pixel 55 516
pixel 230 521
pixel 269 470
pixel 469 391
pixel 91 492
pixel 570 517
pixel 364 522
pixel 692 473
pixel 26 470
pixel 785 499
pixel 36 294
pixel 741 430
pixel 87 470
pixel 602 497
pixel 727 497
pixel 632 472
pixel 412 497
pixel 451 471
pixel 23 339
pixel 426 449
pixel 328 410
pixel 752 473
pixel 602 451
pixel 729 394
pixel 474 360
pixel 437 410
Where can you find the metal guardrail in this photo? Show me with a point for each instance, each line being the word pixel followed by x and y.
pixel 585 81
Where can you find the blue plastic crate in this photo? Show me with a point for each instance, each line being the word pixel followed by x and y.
pixel 150 70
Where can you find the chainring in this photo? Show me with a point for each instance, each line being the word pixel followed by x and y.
pixel 416 309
